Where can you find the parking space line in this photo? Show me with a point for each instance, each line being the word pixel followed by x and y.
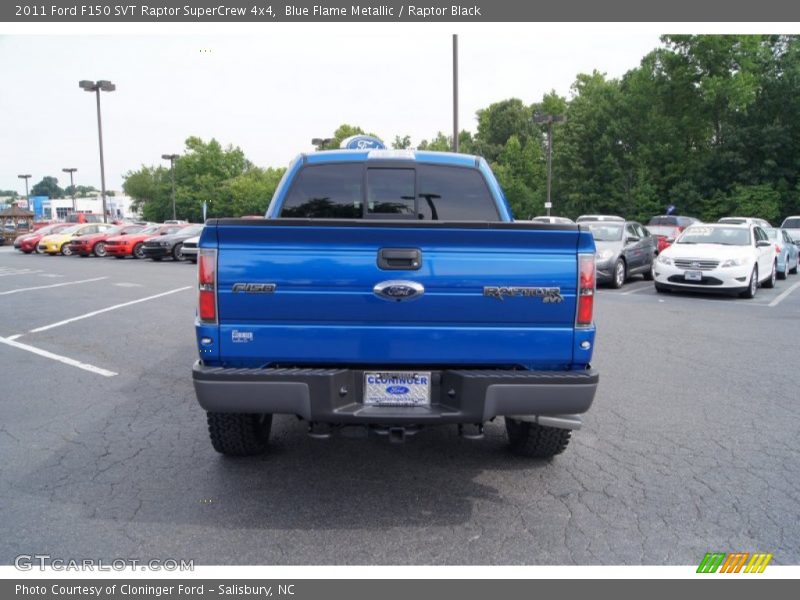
pixel 57 357
pixel 784 294
pixel 52 285
pixel 639 289
pixel 21 272
pixel 110 308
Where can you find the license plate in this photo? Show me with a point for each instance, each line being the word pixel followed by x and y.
pixel 397 388
pixel 693 276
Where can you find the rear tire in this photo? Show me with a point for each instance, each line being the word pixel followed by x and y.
pixel 65 251
pixel 535 441
pixel 138 250
pixel 770 283
pixel 648 275
pixel 100 250
pixel 239 434
pixel 177 252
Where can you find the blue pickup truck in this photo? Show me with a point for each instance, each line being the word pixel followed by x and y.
pixel 393 290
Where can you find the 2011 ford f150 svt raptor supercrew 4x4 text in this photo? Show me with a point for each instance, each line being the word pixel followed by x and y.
pixel 392 289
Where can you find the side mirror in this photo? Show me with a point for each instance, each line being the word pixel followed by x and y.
pixel 763 243
pixel 631 239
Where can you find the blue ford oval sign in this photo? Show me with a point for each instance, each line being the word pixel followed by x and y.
pixel 398 291
pixel 397 390
pixel 362 142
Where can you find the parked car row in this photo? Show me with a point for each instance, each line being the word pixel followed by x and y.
pixel 730 257
pixel 153 240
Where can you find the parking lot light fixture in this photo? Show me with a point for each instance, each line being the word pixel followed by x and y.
pixel 25 177
pixel 321 142
pixel 172 158
pixel 549 119
pixel 97 86
pixel 71 170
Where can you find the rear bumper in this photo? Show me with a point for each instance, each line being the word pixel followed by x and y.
pixel 333 395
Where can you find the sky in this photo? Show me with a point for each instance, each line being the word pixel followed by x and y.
pixel 270 90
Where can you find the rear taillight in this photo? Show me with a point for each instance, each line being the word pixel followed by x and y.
pixel 586 287
pixel 778 248
pixel 207 283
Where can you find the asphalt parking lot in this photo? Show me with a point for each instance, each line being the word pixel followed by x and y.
pixel 691 445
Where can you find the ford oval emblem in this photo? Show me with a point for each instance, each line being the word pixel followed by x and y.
pixel 397 389
pixel 398 290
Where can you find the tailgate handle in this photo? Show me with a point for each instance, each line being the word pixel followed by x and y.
pixel 399 259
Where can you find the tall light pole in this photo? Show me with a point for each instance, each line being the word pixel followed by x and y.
pixel 172 158
pixel 99 86
pixel 455 92
pixel 549 119
pixel 71 170
pixel 26 177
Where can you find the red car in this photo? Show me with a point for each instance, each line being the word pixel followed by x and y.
pixel 30 242
pixel 120 246
pixel 95 243
pixel 667 227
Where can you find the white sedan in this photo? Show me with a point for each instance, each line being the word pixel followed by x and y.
pixel 717 258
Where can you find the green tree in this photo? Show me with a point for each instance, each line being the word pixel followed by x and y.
pixel 251 192
pixel 48 186
pixel 401 143
pixel 200 177
pixel 498 122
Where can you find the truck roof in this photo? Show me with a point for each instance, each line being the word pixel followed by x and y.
pixel 427 156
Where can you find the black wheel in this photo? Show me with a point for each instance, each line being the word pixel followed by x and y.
pixel 138 250
pixel 620 274
pixel 661 289
pixel 239 434
pixel 177 252
pixel 65 249
pixel 770 283
pixel 534 440
pixel 648 275
pixel 785 273
pixel 100 249
pixel 752 287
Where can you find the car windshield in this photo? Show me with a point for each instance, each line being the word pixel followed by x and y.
pixel 70 230
pixel 725 236
pixel 605 232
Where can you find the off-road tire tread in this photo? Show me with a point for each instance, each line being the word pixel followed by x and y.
pixel 237 434
pixel 536 441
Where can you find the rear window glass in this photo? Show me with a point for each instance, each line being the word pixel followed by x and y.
pixel 792 223
pixel 425 192
pixel 663 221
pixel 326 192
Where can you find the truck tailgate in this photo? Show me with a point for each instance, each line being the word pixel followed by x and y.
pixel 323 308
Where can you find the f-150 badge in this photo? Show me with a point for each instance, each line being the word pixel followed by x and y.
pixel 549 295
pixel 254 288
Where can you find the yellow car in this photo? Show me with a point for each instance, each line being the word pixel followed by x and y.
pixel 59 242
